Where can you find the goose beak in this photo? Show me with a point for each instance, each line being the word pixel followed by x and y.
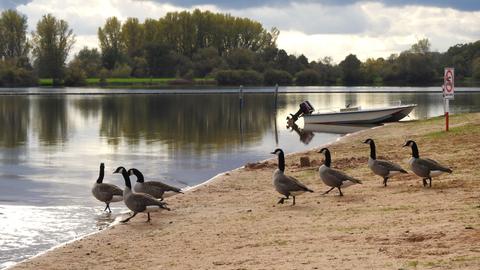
pixel 404 145
pixel 273 153
pixel 114 171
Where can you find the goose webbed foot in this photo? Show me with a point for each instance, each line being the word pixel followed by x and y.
pixel 126 220
pixel 164 206
pixel 293 200
pixel 430 184
pixel 282 200
pixel 107 207
pixel 326 192
pixel 339 190
pixel 148 215
pixel 385 181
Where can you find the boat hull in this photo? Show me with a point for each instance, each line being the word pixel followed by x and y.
pixel 371 116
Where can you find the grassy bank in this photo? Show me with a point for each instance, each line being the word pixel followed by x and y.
pixel 138 82
pixel 235 223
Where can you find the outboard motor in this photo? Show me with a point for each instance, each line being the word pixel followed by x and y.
pixel 305 108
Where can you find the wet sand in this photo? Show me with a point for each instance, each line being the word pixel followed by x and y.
pixel 234 222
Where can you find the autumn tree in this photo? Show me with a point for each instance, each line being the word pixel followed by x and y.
pixel 52 42
pixel 111 45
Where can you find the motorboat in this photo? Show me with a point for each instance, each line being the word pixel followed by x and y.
pixel 353 115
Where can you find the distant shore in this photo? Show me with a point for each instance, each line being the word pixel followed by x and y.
pixel 235 223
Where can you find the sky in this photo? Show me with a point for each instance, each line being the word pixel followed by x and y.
pixel 315 28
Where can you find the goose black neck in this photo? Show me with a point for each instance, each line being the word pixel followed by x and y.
pixel 373 153
pixel 328 159
pixel 127 179
pixel 281 161
pixel 101 174
pixel 415 150
pixel 139 176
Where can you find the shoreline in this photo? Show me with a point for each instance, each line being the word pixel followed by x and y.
pixel 29 91
pixel 218 196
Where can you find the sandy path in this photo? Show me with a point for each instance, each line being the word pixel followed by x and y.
pixel 235 223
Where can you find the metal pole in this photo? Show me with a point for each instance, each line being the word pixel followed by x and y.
pixel 276 95
pixel 446 113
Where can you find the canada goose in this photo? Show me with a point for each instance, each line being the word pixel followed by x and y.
pixel 334 178
pixel 138 202
pixel 104 192
pixel 154 188
pixel 383 168
pixel 424 167
pixel 284 184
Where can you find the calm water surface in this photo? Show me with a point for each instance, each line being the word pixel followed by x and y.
pixel 51 147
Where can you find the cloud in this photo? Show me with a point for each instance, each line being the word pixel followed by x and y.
pixel 310 18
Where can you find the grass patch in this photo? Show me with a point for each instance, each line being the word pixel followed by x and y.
pixel 467 129
pixel 45 82
pixel 412 264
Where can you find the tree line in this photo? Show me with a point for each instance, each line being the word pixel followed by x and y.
pixel 202 44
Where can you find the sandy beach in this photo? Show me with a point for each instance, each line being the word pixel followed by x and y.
pixel 235 222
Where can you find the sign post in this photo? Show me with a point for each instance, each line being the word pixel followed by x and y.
pixel 448 91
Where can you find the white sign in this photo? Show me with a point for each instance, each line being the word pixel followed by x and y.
pixel 448 83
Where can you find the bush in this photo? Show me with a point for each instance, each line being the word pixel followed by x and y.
pixel 307 77
pixel 238 77
pixel 75 75
pixel 122 71
pixel 103 74
pixel 275 76
pixel 12 75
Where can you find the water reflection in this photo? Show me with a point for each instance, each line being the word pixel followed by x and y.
pixel 305 135
pixel 207 122
pixel 14 120
pixel 50 119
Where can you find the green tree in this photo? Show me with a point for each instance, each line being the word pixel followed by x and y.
pixel 274 76
pixel 75 75
pixel 421 47
pixel 240 59
pixel 52 43
pixel 205 60
pixel 89 60
pixel 476 68
pixel 110 37
pixel 307 77
pixel 133 38
pixel 13 35
pixel 351 70
pixel 373 70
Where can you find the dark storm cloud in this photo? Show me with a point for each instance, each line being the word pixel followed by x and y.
pixel 467 5
pixel 11 4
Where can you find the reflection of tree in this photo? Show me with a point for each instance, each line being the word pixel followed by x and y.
pixel 89 106
pixel 203 121
pixel 51 119
pixel 14 119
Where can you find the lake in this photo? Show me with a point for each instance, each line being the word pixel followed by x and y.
pixel 53 140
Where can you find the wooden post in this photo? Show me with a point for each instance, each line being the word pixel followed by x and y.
pixel 240 96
